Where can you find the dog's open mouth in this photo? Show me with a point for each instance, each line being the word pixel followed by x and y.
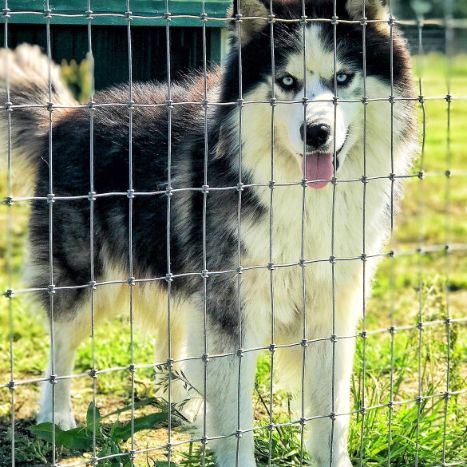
pixel 318 168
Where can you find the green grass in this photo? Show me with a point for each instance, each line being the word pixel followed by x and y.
pixel 407 289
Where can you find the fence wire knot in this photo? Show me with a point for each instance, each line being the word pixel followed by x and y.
pixel 169 363
pixel 169 191
pixel 8 293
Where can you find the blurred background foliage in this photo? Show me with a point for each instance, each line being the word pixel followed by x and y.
pixel 79 77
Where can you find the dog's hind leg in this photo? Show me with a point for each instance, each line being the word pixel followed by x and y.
pixel 55 404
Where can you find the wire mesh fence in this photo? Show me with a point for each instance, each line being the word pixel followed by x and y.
pixel 408 385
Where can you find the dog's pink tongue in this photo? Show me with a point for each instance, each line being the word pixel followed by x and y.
pixel 318 167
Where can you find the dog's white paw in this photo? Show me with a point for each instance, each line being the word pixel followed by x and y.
pixel 65 420
pixel 344 461
pixel 341 460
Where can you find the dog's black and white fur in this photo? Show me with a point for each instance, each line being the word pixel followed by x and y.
pixel 239 311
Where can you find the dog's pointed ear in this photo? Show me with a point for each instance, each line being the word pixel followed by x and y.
pixel 257 10
pixel 374 9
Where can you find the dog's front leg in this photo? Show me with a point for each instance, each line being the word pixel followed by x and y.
pixel 226 378
pixel 329 360
pixel 229 393
pixel 328 401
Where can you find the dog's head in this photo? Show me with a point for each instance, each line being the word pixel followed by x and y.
pixel 312 71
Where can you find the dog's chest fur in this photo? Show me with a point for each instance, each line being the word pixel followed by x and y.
pixel 282 242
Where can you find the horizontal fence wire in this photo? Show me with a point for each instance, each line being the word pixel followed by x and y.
pixel 421 250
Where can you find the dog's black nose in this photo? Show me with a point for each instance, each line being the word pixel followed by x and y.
pixel 317 134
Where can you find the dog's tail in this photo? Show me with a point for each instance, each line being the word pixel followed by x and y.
pixel 29 82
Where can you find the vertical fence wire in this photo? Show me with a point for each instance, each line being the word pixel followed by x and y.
pixel 392 283
pixel 92 199
pixel 169 194
pixel 131 195
pixel 304 342
pixel 239 103
pixel 421 235
pixel 271 233
pixel 333 337
pixel 9 238
pixel 50 200
pixel 204 228
pixel 449 36
pixel 364 252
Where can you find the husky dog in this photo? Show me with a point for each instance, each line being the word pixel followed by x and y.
pixel 252 211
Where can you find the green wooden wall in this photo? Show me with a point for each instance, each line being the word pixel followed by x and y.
pixel 69 35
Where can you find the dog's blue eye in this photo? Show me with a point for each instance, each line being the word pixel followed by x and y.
pixel 287 81
pixel 343 78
